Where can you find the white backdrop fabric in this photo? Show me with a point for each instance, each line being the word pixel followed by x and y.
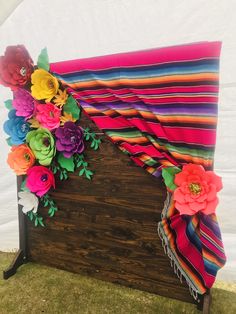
pixel 72 29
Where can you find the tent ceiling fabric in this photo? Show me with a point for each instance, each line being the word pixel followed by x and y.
pixel 6 8
pixel 80 28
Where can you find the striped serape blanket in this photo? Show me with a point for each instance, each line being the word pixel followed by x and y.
pixel 159 106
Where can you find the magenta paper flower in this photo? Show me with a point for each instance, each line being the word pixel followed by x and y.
pixel 69 139
pixel 24 103
pixel 39 180
pixel 48 116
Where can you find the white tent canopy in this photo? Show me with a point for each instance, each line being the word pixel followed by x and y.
pixel 73 29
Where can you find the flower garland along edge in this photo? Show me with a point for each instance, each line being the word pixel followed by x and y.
pixel 43 128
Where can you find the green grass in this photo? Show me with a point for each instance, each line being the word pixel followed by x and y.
pixel 41 289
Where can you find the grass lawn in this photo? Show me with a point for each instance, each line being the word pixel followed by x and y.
pixel 40 289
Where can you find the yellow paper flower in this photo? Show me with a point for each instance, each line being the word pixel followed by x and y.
pixel 61 98
pixel 67 117
pixel 34 123
pixel 44 85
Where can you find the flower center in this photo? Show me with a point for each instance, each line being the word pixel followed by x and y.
pixel 72 139
pixel 23 71
pixel 50 84
pixel 23 127
pixel 46 141
pixel 195 188
pixel 27 157
pixel 44 177
pixel 51 114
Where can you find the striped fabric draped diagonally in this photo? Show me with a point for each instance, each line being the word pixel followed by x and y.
pixel 159 106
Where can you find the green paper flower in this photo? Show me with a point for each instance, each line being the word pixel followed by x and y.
pixel 42 144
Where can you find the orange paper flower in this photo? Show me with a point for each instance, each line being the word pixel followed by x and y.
pixel 20 159
pixel 196 190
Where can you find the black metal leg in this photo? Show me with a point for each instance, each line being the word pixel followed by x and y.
pixel 22 255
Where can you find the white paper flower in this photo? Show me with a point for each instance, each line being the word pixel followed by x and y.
pixel 29 201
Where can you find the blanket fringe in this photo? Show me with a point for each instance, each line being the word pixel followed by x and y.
pixel 175 265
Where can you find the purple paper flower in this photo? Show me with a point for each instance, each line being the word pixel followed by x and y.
pixel 69 139
pixel 24 103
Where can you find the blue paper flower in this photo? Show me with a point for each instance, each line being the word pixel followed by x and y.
pixel 16 127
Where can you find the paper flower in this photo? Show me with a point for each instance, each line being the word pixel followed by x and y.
pixel 48 116
pixel 45 85
pixel 20 159
pixel 28 201
pixel 24 103
pixel 39 180
pixel 67 117
pixel 16 67
pixel 34 123
pixel 42 144
pixel 16 127
pixel 69 139
pixel 61 98
pixel 196 190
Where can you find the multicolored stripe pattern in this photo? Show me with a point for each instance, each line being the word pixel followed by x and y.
pixel 159 106
pixel 193 244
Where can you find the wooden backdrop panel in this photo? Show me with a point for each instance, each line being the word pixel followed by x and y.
pixel 107 227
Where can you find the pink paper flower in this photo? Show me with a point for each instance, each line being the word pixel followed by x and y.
pixel 24 103
pixel 48 116
pixel 196 190
pixel 39 180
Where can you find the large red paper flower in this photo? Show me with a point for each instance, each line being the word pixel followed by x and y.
pixel 196 190
pixel 16 67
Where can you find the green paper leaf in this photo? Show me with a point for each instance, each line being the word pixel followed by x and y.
pixel 79 163
pixel 43 62
pixel 31 215
pixel 45 203
pixel 71 107
pixel 8 140
pixel 8 104
pixel 67 163
pixel 51 211
pixel 88 174
pixel 36 221
pixel 24 187
pixel 82 171
pixel 41 222
pixel 168 175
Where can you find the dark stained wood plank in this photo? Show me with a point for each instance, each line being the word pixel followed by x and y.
pixel 107 227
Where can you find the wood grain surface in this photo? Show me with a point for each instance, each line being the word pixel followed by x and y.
pixel 107 228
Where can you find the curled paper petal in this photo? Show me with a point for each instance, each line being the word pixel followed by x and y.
pixel 28 201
